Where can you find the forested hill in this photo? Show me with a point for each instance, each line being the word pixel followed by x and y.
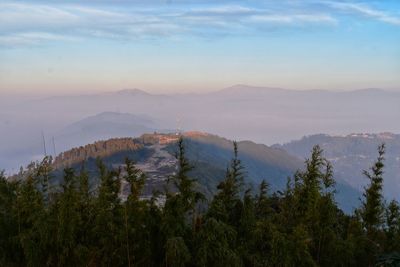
pixel 210 155
pixel 98 149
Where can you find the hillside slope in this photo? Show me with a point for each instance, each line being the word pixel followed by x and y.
pixel 209 154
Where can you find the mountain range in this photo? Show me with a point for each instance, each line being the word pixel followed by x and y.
pixel 261 114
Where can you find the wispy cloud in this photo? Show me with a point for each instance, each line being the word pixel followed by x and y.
pixel 20 22
pixel 28 23
pixel 296 18
pixel 367 11
pixel 227 16
pixel 32 38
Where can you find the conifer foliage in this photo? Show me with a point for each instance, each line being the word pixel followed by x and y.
pixel 78 222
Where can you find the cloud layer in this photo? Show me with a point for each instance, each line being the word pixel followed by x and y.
pixel 25 23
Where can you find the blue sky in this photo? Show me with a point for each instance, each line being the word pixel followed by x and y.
pixel 175 46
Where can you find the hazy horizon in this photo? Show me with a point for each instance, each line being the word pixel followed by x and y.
pixel 73 47
pixel 44 94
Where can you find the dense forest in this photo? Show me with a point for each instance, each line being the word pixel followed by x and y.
pixel 75 224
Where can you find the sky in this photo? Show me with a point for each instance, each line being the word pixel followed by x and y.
pixel 198 46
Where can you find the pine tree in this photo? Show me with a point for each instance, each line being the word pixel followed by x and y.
pixel 371 212
pixel 215 243
pixel 137 230
pixel 68 220
pixel 226 205
pixel 392 227
pixel 136 180
pixel 185 184
pixel 179 213
pixel 31 213
pixel 10 249
pixel 43 172
pixel 245 230
pixel 107 232
pixel 86 248
pixel 227 210
pixel 263 203
pixel 309 184
pixel 309 209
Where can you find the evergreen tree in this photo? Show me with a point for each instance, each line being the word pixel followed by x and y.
pixel 179 212
pixel 372 209
pixel 10 249
pixel 107 232
pixel 227 211
pixel 226 205
pixel 309 210
pixel 263 203
pixel 392 227
pixel 137 230
pixel 68 221
pixel 185 185
pixel 33 230
pixel 245 230
pixel 215 243
pixel 86 248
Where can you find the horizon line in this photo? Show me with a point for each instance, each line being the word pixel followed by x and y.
pixel 155 92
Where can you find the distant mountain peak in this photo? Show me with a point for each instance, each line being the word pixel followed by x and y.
pixel 133 91
pixel 240 85
pixel 111 113
pixel 244 88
